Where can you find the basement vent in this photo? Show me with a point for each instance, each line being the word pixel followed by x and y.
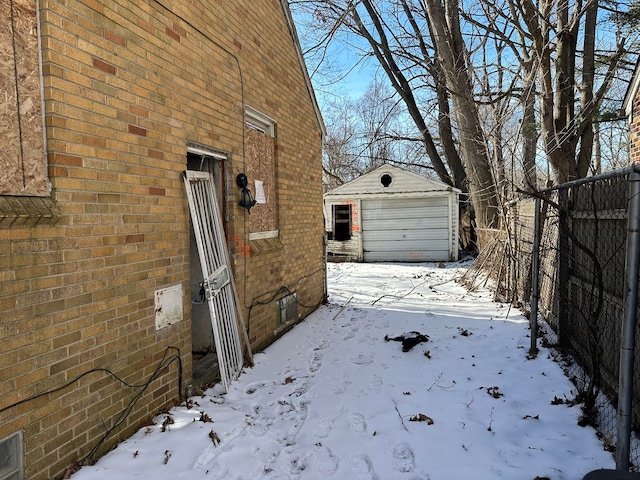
pixel 287 309
pixel 11 461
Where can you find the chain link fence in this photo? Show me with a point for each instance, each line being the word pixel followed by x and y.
pixel 580 290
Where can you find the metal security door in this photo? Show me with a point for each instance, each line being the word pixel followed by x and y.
pixel 218 278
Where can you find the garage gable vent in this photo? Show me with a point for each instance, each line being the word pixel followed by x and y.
pixel 386 180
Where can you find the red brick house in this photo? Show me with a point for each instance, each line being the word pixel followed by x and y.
pixel 104 293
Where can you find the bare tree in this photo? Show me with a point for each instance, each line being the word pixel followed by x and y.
pixel 365 132
pixel 452 56
pixel 566 73
pixel 467 71
pixel 340 162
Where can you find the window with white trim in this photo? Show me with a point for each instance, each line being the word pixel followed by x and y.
pixel 260 160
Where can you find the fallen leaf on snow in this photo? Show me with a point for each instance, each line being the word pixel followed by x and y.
pixel 205 418
pixel 493 391
pixel 214 438
pixel 168 420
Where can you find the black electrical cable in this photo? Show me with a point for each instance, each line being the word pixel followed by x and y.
pixel 277 293
pixel 165 363
pixel 284 289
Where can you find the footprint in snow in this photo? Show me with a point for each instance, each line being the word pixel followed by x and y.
pixel 316 362
pixel 297 465
pixel 324 344
pixel 362 359
pixel 341 388
pixel 358 423
pixel 326 461
pixel 370 340
pixel 299 390
pixel 267 455
pixel 362 467
pixel 255 386
pixel 324 428
pixel 349 335
pixel 375 383
pixel 403 459
pixel 259 424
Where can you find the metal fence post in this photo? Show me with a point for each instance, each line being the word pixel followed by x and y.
pixel 564 255
pixel 627 343
pixel 535 278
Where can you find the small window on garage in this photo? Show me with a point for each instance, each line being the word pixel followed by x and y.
pixel 342 222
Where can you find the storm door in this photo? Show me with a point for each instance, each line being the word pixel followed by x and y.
pixel 219 289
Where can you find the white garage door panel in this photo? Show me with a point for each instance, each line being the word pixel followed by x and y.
pixel 406 213
pixel 405 224
pixel 409 245
pixel 405 230
pixel 407 235
pixel 404 256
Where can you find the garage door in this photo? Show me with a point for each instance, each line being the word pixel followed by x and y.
pixel 406 230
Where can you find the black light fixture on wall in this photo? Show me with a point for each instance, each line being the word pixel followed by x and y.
pixel 246 199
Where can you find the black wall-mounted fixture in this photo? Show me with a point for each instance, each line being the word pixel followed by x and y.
pixel 246 199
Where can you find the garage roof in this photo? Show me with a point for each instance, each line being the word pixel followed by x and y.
pixel 390 180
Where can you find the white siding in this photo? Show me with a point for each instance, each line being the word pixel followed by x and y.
pixel 403 183
pixel 351 249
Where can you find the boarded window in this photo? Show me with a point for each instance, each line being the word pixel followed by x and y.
pixel 261 172
pixel 22 153
pixel 342 222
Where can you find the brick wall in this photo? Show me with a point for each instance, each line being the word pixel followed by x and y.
pixel 126 84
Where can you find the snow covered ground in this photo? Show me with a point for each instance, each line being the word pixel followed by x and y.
pixel 333 400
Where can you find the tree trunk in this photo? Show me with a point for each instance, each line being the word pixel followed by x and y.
pixel 529 130
pixel 383 54
pixel 450 51
pixel 586 96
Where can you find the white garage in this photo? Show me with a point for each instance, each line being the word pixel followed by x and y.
pixel 391 215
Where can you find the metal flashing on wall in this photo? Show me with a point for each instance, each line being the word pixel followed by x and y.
pixel 168 306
